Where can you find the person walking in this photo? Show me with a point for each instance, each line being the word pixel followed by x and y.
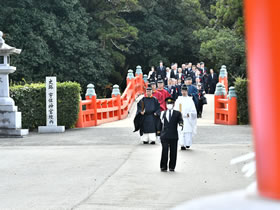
pixel 147 117
pixel 186 106
pixel 170 120
pixel 201 100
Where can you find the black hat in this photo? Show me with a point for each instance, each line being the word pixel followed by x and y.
pixel 160 81
pixel 170 100
pixel 184 87
pixel 152 83
pixel 149 88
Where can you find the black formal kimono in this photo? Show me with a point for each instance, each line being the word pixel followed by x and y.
pixel 149 122
pixel 169 138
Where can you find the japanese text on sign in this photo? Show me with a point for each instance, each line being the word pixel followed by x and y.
pixel 51 101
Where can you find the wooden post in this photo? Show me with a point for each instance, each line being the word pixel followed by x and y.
pixel 263 44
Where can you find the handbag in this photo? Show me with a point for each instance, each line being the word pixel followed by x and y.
pixel 204 100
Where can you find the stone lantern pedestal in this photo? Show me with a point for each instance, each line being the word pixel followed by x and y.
pixel 10 118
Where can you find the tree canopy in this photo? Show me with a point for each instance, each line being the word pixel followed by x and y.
pixel 96 41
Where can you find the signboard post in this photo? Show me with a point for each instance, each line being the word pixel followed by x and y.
pixel 51 109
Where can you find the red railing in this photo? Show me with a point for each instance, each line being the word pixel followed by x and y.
pixel 95 111
pixel 225 104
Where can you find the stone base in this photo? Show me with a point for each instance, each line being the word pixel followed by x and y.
pixel 10 119
pixel 51 129
pixel 8 108
pixel 13 133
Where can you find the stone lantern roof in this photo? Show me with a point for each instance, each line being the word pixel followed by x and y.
pixel 6 49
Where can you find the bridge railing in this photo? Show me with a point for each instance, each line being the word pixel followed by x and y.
pixel 95 111
pixel 225 102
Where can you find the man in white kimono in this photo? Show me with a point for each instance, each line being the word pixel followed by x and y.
pixel 186 106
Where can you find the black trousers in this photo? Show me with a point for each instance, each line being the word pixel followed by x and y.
pixel 200 107
pixel 169 146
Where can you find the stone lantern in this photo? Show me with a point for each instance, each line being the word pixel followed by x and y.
pixel 10 118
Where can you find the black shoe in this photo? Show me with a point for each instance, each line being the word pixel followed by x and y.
pixel 172 170
pixel 163 169
pixel 153 142
pixel 145 142
pixel 183 148
pixel 188 147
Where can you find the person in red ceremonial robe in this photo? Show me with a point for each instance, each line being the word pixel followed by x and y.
pixel 164 94
pixel 156 94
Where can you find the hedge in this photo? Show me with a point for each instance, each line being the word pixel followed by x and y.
pixel 241 87
pixel 31 102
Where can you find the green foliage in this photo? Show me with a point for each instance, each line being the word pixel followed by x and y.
pixel 241 86
pixel 31 102
pixel 111 29
pixel 96 41
pixel 229 13
pixel 223 47
pixel 53 36
pixel 165 32
pixel 222 41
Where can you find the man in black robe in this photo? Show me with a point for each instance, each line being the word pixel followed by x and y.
pixel 147 117
pixel 170 120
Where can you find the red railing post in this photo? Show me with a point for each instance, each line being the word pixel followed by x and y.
pixel 131 79
pixel 223 77
pixel 219 94
pixel 91 95
pixel 232 107
pixel 263 44
pixel 139 77
pixel 116 94
pixel 94 107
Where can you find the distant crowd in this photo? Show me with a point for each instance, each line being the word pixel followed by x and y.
pixel 199 80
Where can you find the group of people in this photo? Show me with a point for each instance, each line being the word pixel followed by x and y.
pixel 174 97
pixel 174 74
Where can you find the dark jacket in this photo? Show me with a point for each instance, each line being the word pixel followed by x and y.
pixel 161 72
pixel 169 132
pixel 212 82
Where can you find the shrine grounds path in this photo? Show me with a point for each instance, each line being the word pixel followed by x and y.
pixel 106 167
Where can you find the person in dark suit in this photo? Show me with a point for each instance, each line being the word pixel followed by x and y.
pixel 203 68
pixel 161 71
pixel 175 91
pixel 170 120
pixel 212 81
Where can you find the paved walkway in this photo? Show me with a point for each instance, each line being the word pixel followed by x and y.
pixel 106 167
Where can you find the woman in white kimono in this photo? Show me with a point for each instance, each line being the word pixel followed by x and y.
pixel 186 106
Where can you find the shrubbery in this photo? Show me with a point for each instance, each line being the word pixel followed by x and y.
pixel 31 102
pixel 242 100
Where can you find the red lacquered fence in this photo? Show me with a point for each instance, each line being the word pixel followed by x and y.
pixel 225 103
pixel 95 111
